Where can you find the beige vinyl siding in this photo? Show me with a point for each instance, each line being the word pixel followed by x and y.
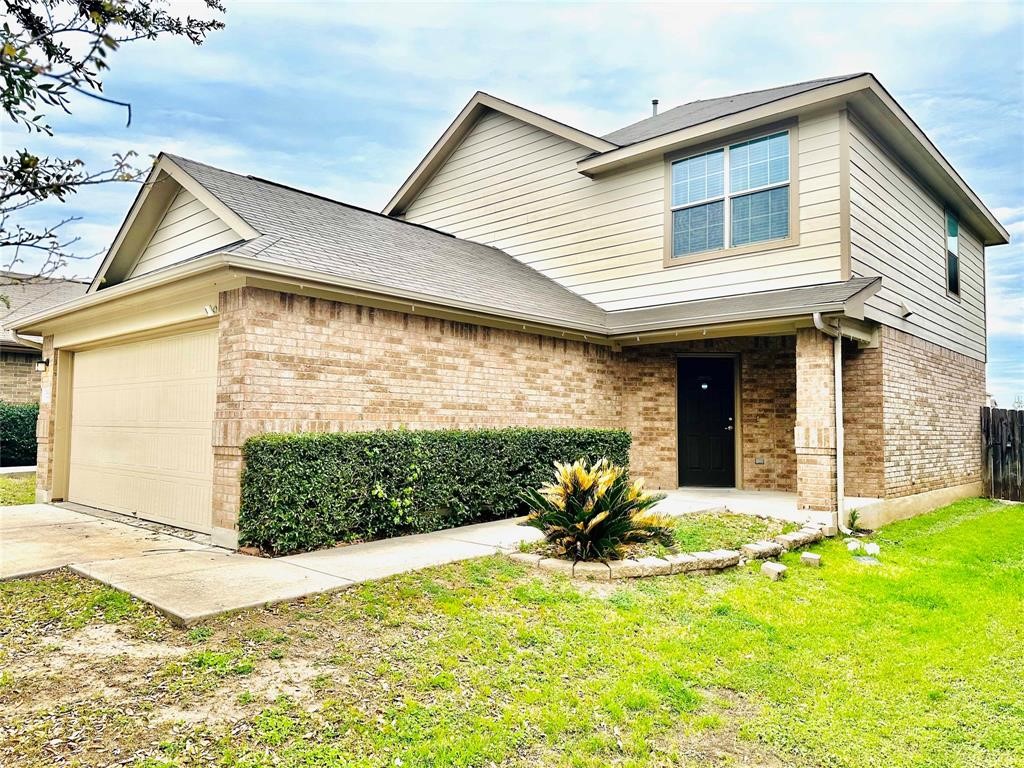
pixel 187 229
pixel 516 187
pixel 898 231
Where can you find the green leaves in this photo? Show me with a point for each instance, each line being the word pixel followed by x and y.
pixel 592 511
pixel 312 490
pixel 18 434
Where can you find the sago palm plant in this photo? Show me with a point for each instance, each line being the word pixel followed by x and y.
pixel 593 512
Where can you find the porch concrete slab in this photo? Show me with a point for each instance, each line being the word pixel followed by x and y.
pixel 379 559
pixel 188 587
pixel 774 504
pixel 500 534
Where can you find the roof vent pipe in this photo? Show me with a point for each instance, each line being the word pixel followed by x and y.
pixel 654 107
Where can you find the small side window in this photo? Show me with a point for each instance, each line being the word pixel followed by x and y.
pixel 952 254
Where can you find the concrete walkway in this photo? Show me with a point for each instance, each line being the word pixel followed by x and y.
pixel 17 471
pixel 190 581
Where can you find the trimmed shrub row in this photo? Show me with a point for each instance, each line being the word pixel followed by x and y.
pixel 312 490
pixel 18 434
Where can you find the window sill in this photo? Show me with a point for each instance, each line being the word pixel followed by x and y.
pixel 694 258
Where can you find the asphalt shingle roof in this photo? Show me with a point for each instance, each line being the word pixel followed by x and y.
pixel 28 295
pixel 304 230
pixel 697 112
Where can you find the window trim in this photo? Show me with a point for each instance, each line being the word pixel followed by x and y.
pixel 946 214
pixel 668 260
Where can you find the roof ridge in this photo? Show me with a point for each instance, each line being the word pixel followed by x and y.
pixel 308 193
pixel 318 196
pixel 830 78
pixel 823 80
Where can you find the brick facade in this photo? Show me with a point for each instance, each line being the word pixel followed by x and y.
pixel 291 363
pixel 815 431
pixel 864 443
pixel 931 400
pixel 19 381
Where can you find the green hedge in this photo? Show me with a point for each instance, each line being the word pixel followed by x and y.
pixel 311 490
pixel 18 434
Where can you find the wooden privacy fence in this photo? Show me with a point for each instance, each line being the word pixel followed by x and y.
pixel 1002 442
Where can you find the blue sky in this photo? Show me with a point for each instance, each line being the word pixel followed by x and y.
pixel 345 99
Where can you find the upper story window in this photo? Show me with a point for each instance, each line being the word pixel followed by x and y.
pixel 952 254
pixel 731 197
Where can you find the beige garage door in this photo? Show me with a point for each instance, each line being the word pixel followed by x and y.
pixel 141 428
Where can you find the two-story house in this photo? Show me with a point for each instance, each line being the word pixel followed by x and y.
pixel 778 290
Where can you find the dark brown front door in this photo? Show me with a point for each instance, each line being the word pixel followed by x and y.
pixel 707 423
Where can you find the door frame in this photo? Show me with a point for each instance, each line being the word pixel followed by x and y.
pixel 736 408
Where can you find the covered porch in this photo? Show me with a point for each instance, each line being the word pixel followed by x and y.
pixel 748 414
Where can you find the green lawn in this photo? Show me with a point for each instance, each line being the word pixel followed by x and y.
pixel 918 661
pixel 17 490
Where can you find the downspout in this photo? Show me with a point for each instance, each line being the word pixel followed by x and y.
pixel 839 517
pixel 26 342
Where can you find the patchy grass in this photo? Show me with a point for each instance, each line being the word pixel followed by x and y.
pixel 17 490
pixel 915 662
pixel 707 531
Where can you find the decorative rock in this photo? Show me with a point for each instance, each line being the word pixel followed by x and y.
pixel 853 545
pixel 773 570
pixel 811 559
pixel 864 560
pixel 591 570
pixel 761 550
pixel 654 566
pixel 683 563
pixel 528 559
pixel 556 564
pixel 828 531
pixel 625 569
pixel 718 559
pixel 872 548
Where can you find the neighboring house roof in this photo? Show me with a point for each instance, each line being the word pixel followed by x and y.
pixel 697 112
pixel 29 295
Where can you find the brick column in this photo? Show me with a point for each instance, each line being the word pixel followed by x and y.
pixel 45 424
pixel 228 420
pixel 815 432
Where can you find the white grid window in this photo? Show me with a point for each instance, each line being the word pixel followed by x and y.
pixel 752 207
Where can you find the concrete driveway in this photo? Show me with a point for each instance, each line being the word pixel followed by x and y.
pixel 190 581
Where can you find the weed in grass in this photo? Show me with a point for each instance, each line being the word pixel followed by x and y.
pixel 198 635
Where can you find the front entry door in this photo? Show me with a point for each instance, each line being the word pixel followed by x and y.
pixel 707 421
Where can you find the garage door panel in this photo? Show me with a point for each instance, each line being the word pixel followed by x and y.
pixel 163 404
pixel 141 428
